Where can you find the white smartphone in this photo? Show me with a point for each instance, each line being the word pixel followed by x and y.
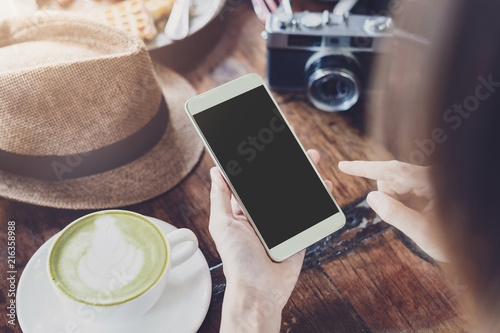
pixel 277 185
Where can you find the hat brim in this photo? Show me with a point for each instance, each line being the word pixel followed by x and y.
pixel 154 173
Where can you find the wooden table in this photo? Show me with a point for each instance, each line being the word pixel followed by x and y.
pixel 366 278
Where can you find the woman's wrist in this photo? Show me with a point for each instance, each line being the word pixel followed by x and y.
pixel 246 309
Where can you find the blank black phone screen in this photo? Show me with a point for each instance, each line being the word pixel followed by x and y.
pixel 266 166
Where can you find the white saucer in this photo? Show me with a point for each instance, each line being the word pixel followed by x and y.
pixel 181 308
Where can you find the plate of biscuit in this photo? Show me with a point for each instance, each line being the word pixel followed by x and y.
pixel 144 18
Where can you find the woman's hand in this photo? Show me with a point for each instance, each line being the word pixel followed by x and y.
pixel 405 199
pixel 257 288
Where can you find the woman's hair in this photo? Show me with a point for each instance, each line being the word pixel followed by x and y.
pixel 441 105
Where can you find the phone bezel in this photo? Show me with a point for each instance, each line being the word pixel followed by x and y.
pixel 232 89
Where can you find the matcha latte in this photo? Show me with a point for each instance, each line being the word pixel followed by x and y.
pixel 108 258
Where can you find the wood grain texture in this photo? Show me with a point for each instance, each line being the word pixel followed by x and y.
pixel 316 306
pixel 395 291
pixel 349 276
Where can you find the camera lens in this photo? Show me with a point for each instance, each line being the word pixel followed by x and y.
pixel 331 83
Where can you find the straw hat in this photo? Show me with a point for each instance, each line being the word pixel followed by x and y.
pixel 86 119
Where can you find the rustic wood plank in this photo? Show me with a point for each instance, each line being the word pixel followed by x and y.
pixel 394 290
pixel 317 306
pixel 361 224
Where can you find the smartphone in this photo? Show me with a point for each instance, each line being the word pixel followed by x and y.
pixel 278 187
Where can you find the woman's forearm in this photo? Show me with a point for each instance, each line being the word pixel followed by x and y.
pixel 246 311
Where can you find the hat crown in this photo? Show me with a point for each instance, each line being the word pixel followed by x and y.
pixel 71 85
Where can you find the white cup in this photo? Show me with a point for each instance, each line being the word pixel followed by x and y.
pixel 138 305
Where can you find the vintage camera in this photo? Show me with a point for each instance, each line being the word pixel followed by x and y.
pixel 326 55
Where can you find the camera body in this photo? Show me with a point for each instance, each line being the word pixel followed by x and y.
pixel 326 55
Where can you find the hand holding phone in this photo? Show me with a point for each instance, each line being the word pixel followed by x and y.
pixel 258 155
pixel 252 278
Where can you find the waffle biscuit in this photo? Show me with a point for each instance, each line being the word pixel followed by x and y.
pixel 130 15
pixel 159 9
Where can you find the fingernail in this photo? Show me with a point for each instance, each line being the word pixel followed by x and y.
pixel 213 172
pixel 373 198
pixel 342 164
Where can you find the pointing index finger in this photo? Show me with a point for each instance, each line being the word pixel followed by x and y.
pixel 377 170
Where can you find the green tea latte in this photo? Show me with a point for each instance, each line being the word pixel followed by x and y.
pixel 108 258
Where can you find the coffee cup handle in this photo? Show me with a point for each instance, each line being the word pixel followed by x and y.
pixel 178 237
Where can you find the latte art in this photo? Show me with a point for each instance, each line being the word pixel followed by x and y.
pixel 110 255
pixel 108 259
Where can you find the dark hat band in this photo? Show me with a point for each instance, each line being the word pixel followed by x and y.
pixel 58 168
